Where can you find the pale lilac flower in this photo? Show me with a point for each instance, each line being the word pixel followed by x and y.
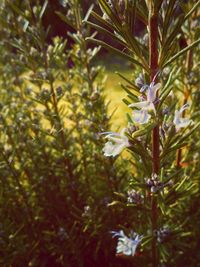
pixel 134 197
pixel 140 81
pixel 179 121
pixel 141 116
pixel 116 143
pixel 126 245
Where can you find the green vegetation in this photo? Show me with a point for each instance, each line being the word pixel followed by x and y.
pixel 73 193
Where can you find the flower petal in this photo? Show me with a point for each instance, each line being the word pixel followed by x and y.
pixel 141 116
pixel 184 107
pixel 126 245
pixel 152 91
pixel 184 122
pixel 178 121
pixel 140 105
pixel 113 150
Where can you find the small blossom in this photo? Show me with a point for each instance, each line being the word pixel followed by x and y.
pixel 179 121
pixel 155 184
pixel 134 197
pixel 116 143
pixel 141 116
pixel 166 111
pixel 62 234
pixel 126 245
pixel 140 81
pixel 87 211
pixel 162 234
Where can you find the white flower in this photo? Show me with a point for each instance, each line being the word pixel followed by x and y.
pixel 116 143
pixel 141 116
pixel 126 245
pixel 180 122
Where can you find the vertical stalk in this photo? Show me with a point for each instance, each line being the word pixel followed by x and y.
pixel 153 64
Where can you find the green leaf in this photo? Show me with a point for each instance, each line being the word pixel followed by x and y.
pixel 130 13
pixel 133 95
pixel 171 149
pixel 134 45
pixel 164 253
pixel 146 160
pixel 181 140
pixel 129 118
pixel 88 12
pixel 114 50
pixel 17 10
pixel 167 18
pixel 161 204
pixel 137 89
pixel 103 30
pixel 169 41
pixel 169 80
pixel 103 22
pixel 124 31
pixel 192 10
pixel 26 24
pixel 43 9
pixel 65 19
pixel 126 101
pixel 121 195
pixel 158 4
pixel 179 185
pixel 167 88
pixel 146 240
pixel 144 131
pixel 142 12
pixel 114 18
pixel 115 203
pixel 180 53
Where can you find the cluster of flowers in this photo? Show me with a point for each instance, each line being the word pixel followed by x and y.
pixel 155 184
pixel 142 113
pixel 134 197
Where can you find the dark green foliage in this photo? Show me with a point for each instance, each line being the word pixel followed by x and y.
pixel 180 184
pixel 55 181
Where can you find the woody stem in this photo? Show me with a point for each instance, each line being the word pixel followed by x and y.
pixel 153 64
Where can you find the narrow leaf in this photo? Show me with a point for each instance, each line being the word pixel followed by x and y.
pixel 105 31
pixel 65 19
pixel 180 53
pixel 114 50
pixel 43 9
pixel 144 131
pixel 89 12
pixel 192 10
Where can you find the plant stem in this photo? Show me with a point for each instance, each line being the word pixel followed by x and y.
pixel 153 64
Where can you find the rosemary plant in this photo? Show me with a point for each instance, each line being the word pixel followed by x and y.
pixel 159 128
